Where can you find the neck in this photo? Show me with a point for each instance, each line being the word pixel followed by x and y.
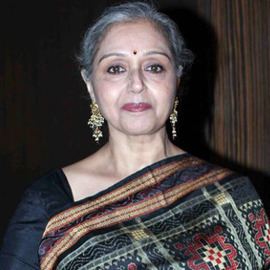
pixel 127 154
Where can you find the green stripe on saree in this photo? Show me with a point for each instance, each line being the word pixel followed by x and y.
pixel 179 213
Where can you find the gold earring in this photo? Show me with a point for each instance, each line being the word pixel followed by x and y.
pixel 96 121
pixel 173 118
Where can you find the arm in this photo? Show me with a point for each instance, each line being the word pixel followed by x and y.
pixel 21 241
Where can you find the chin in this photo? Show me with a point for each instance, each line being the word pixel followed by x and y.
pixel 140 130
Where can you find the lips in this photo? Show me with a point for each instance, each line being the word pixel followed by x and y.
pixel 136 107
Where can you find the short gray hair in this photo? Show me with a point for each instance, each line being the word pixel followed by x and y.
pixel 129 12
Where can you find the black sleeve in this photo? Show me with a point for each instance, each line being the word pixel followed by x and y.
pixel 44 198
pixel 21 241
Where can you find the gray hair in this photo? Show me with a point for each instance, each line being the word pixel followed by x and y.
pixel 129 12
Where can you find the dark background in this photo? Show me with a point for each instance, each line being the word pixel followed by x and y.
pixel 44 105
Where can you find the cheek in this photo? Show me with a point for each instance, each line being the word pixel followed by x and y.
pixel 109 85
pixel 163 90
pixel 107 95
pixel 165 96
pixel 166 104
pixel 166 80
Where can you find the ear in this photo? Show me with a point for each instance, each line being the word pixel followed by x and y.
pixel 89 84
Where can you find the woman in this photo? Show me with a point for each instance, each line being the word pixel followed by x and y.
pixel 170 210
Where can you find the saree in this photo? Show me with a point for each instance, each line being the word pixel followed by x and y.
pixel 178 213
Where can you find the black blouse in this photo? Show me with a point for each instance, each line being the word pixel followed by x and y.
pixel 45 197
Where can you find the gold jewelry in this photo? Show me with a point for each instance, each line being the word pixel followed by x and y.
pixel 173 118
pixel 96 121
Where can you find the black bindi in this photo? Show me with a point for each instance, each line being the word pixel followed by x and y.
pixel 134 52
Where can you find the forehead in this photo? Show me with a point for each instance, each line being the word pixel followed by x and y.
pixel 139 35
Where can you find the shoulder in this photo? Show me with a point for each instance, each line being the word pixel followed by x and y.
pixel 239 186
pixel 51 190
pixel 20 245
pixel 220 176
pixel 47 194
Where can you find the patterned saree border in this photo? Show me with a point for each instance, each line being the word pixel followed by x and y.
pixel 137 184
pixel 129 212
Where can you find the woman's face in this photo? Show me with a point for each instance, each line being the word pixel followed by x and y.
pixel 134 80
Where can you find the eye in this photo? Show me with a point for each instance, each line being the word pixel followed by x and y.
pixel 155 68
pixel 115 69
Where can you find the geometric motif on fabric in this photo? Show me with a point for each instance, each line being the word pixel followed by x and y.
pixel 139 234
pixel 128 262
pixel 220 199
pixel 215 255
pixel 210 251
pixel 261 227
pixel 258 229
pixel 182 214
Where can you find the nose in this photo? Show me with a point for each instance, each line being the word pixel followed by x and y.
pixel 136 84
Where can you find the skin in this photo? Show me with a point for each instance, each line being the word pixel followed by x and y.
pixel 133 64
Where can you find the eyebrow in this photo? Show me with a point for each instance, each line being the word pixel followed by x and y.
pixel 158 52
pixel 124 55
pixel 111 54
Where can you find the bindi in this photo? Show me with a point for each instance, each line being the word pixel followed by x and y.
pixel 134 52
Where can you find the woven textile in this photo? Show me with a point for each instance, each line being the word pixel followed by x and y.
pixel 179 213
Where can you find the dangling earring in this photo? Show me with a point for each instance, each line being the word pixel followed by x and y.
pixel 173 117
pixel 96 121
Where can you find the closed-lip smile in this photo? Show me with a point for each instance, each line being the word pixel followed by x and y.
pixel 136 107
